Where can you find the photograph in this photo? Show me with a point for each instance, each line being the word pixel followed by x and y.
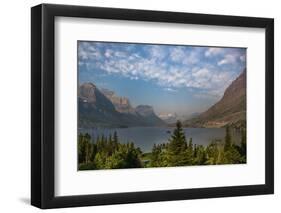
pixel 160 105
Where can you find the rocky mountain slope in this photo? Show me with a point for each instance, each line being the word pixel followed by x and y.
pixel 230 110
pixel 105 109
pixel 122 104
pixel 148 114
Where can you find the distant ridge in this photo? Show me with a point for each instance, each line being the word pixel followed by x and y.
pixel 230 110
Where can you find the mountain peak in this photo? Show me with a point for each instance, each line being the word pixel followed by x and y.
pixel 87 92
pixel 102 107
pixel 144 110
pixel 88 84
pixel 122 104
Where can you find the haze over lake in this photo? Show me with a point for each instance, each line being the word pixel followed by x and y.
pixel 145 137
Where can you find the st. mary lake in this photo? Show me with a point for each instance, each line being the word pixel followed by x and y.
pixel 145 137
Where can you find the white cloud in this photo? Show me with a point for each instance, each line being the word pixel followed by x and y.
pixel 242 58
pixel 192 58
pixel 108 53
pixel 213 51
pixel 156 52
pixel 87 51
pixel 177 54
pixel 187 69
pixel 220 81
pixel 228 59
pixel 120 54
pixel 170 89
pixel 202 73
pixel 167 77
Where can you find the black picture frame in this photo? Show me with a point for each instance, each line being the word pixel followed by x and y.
pixel 43 102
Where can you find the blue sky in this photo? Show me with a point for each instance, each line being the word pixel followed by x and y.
pixel 171 78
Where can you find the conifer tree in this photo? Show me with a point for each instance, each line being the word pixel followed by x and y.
pixel 115 137
pixel 109 138
pixel 201 158
pixel 89 151
pixel 190 145
pixel 212 152
pixel 83 147
pixel 177 146
pixel 156 150
pixel 227 142
pixel 243 143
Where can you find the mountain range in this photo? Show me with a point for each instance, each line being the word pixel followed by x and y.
pixel 103 108
pixel 229 110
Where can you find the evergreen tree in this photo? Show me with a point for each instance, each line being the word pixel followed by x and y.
pixel 232 156
pixel 83 147
pixel 243 143
pixel 242 148
pixel 201 156
pixel 227 141
pixel 103 141
pixel 89 151
pixel 94 152
pixel 190 145
pixel 195 151
pixel 100 160
pixel 115 137
pixel 177 147
pixel 212 152
pixel 125 157
pixel 109 138
pixel 155 156
pixel 187 157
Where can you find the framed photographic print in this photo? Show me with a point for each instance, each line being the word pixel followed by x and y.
pixel 140 106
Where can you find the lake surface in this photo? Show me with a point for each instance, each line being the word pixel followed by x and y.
pixel 145 137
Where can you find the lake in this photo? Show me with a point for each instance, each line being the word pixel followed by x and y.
pixel 145 137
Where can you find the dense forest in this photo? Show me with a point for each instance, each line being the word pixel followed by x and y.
pixel 109 153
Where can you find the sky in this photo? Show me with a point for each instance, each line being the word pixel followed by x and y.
pixel 172 78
